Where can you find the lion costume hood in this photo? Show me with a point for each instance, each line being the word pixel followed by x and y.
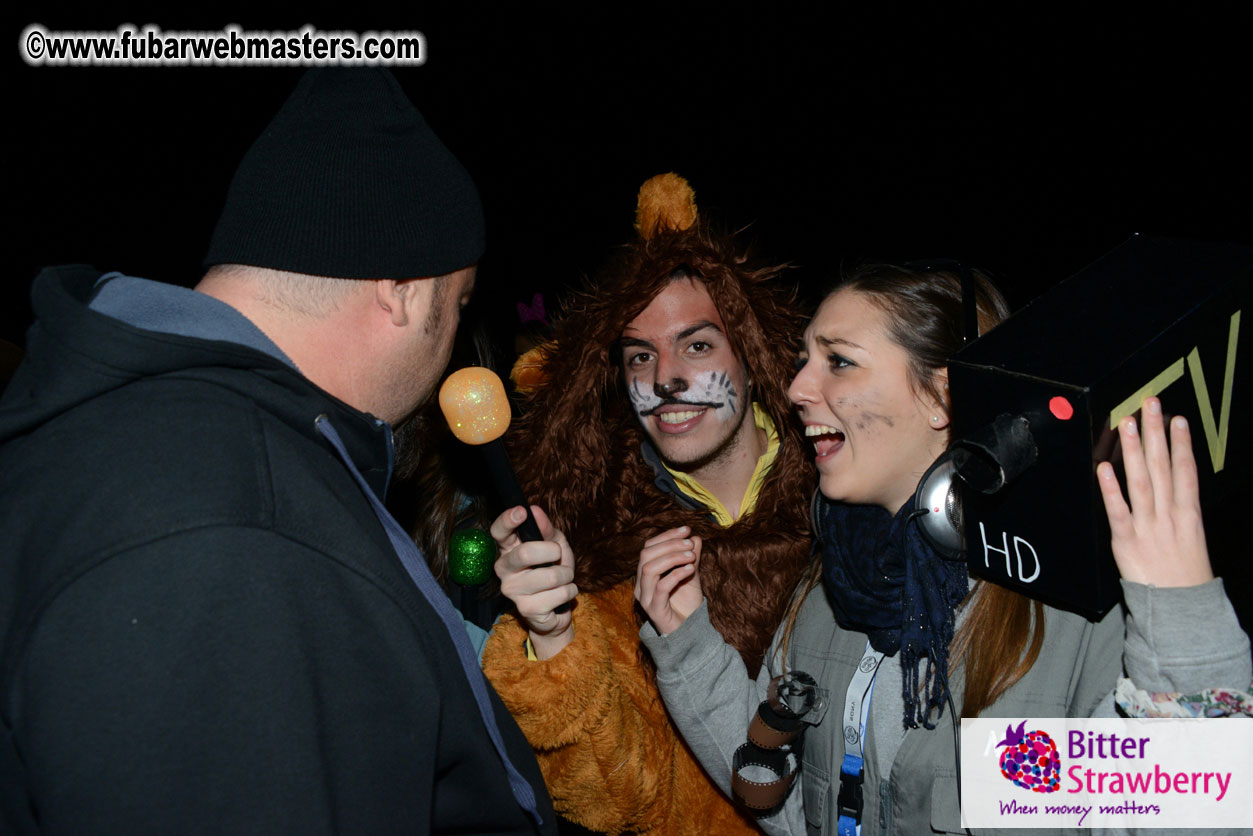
pixel 577 443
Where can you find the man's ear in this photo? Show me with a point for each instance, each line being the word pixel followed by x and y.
pixel 400 298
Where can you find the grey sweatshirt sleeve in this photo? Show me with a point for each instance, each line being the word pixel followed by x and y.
pixel 711 700
pixel 1184 639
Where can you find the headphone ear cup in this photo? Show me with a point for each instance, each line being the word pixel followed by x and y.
pixel 937 504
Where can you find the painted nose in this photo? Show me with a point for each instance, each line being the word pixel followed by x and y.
pixel 669 388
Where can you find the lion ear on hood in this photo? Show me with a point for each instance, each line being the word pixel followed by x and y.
pixel 666 204
pixel 528 373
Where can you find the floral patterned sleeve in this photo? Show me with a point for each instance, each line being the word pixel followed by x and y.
pixel 1212 702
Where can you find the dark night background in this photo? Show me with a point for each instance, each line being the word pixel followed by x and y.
pixel 1030 140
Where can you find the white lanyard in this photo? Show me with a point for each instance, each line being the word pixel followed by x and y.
pixel 856 700
pixel 852 768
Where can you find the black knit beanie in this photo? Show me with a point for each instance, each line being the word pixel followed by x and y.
pixel 348 180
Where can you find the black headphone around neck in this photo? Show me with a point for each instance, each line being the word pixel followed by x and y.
pixel 986 460
pixel 938 508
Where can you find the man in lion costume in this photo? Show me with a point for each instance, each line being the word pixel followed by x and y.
pixel 656 434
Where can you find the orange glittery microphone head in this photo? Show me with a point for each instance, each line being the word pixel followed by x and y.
pixel 475 405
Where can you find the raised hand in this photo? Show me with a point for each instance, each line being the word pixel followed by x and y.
pixel 1159 540
pixel 667 584
pixel 538 577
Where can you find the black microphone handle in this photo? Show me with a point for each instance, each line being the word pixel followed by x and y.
pixel 506 482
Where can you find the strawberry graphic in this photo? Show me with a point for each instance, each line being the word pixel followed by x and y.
pixel 1030 759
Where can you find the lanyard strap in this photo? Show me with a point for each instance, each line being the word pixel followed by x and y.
pixel 411 557
pixel 852 771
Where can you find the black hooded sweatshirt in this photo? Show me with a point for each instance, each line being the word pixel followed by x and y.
pixel 205 628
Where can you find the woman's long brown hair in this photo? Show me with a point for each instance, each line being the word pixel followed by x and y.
pixel 1002 632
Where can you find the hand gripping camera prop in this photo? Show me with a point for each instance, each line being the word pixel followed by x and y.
pixel 1037 400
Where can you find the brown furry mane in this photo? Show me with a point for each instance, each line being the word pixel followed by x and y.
pixel 577 443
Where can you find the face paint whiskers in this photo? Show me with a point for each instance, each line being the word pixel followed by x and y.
pixel 708 390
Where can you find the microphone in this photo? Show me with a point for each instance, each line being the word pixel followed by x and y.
pixel 476 407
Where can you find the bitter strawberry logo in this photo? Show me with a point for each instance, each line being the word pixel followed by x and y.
pixel 1030 759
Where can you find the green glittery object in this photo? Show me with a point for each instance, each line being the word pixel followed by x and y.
pixel 471 553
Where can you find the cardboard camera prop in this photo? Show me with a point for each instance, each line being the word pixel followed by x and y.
pixel 1036 402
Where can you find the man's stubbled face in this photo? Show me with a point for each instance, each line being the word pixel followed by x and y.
pixel 686 385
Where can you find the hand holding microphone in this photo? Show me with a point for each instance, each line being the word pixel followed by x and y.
pixel 538 577
pixel 536 564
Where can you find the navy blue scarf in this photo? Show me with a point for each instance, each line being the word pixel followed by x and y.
pixel 884 580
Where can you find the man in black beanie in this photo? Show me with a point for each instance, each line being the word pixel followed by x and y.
pixel 210 622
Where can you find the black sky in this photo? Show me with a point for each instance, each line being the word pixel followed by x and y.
pixel 1029 142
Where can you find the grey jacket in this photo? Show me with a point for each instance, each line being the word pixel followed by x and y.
pixel 1175 640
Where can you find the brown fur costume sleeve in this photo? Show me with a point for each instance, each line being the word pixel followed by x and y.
pixel 611 759
pixel 576 445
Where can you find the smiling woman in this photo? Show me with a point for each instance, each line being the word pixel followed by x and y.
pixel 874 432
pixel 875 365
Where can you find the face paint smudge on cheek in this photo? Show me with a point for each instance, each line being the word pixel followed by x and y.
pixel 869 419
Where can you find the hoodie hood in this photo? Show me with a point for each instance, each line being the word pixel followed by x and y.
pixel 76 354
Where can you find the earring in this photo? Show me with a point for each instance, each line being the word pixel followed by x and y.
pixel 935 418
